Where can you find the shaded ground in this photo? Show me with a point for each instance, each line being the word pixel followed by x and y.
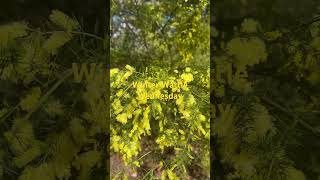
pixel 150 169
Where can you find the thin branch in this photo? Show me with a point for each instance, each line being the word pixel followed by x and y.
pixel 291 114
pixel 73 32
pixel 67 74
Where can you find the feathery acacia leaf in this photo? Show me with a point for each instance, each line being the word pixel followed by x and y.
pixel 63 21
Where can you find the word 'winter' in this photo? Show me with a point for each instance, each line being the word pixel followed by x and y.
pixel 160 84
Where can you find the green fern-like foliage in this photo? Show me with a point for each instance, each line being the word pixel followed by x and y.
pixel 11 32
pixel 56 40
pixel 63 21
pixel 263 120
pixel 52 128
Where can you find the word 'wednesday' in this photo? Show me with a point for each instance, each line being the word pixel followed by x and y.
pixel 159 96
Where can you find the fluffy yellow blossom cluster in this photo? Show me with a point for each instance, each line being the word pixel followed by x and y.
pixel 177 123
